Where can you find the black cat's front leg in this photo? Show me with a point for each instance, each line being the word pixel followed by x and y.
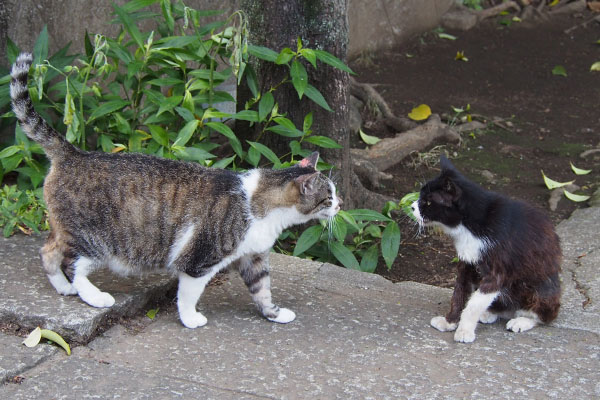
pixel 254 270
pixel 466 278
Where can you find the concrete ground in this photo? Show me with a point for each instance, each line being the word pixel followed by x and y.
pixel 357 336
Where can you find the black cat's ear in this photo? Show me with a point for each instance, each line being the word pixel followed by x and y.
pixel 450 187
pixel 306 183
pixel 446 164
pixel 310 161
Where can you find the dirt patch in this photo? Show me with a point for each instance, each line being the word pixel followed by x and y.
pixel 548 120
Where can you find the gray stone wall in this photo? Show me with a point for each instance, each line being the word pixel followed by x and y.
pixel 374 24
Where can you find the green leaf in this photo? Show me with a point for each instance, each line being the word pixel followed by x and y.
pixel 367 215
pixel 371 140
pixel 129 25
pixel 332 60
pixel 323 141
pixel 299 77
pixel 12 51
pixel 224 162
pixel 348 218
pixel 265 151
pixel 559 70
pixel 166 10
pixel 246 115
pixel 9 151
pixel 344 255
pixel 339 228
pixel 316 96
pixel 185 134
pixel 40 48
pixel 577 171
pixel 446 36
pixel 253 156
pixel 576 197
pixel 390 243
pixel 308 121
pixel 264 53
pixel 310 56
pixel 285 130
pixel 228 133
pixel 265 105
pixel 595 66
pixel 368 263
pixel 308 238
pixel 284 56
pixel 374 231
pixel 107 108
pixel 192 153
pixel 152 313
pixel 552 184
pixel 159 135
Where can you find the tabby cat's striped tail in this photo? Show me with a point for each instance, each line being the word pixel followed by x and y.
pixel 32 123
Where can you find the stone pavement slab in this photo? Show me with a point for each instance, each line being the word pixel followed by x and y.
pixel 29 300
pixel 368 343
pixel 356 336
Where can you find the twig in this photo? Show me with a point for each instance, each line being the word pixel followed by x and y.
pixel 583 24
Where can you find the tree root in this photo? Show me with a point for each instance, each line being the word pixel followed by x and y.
pixel 367 94
pixel 496 10
pixel 390 151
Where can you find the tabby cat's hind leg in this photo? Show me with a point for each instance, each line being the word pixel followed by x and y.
pixel 255 273
pixel 52 258
pixel 85 289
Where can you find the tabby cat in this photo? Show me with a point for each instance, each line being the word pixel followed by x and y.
pixel 136 213
pixel 509 255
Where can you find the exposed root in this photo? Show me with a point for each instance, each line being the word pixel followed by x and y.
pixel 496 10
pixel 390 151
pixel 367 94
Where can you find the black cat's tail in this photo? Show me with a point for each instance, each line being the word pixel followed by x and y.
pixel 32 123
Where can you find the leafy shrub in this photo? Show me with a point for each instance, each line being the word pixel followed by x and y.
pixel 157 92
pixel 23 211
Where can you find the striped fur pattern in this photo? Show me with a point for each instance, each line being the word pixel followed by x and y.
pixel 509 255
pixel 136 213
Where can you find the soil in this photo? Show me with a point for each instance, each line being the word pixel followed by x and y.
pixel 547 120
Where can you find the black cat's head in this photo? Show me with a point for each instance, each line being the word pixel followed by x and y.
pixel 440 201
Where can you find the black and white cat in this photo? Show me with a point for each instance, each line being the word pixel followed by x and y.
pixel 508 250
pixel 137 213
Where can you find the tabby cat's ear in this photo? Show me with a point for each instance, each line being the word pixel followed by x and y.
pixel 306 182
pixel 310 161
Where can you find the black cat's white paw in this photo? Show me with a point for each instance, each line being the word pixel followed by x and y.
pixel 442 325
pixel 464 335
pixel 520 324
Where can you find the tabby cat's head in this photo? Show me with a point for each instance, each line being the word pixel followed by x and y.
pixel 300 187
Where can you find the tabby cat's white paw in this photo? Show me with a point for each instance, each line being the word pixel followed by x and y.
pixel 193 320
pixel 441 324
pixel 98 299
pixel 464 335
pixel 488 317
pixel 284 316
pixel 520 324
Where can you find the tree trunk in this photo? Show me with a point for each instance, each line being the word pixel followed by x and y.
pixel 320 24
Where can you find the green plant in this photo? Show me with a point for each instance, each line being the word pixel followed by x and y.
pixel 349 236
pixel 474 4
pixel 23 211
pixel 157 91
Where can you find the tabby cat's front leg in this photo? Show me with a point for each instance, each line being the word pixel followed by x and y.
pixel 254 270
